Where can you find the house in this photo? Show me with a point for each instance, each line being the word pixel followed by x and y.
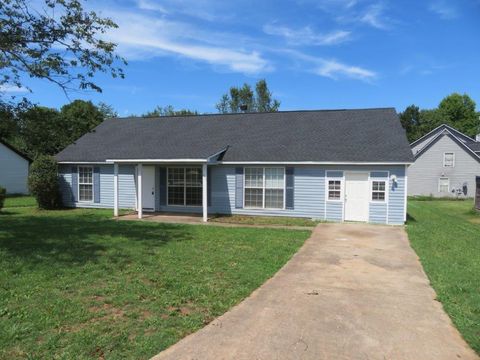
pixel 13 169
pixel 446 164
pixel 338 165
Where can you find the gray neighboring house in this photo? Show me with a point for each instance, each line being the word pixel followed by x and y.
pixel 337 165
pixel 13 169
pixel 446 164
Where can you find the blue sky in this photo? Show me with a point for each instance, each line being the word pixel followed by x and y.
pixel 321 54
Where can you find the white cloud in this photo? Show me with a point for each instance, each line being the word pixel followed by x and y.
pixel 140 37
pixel 444 10
pixel 306 36
pixel 151 5
pixel 374 16
pixel 8 88
pixel 332 68
pixel 335 70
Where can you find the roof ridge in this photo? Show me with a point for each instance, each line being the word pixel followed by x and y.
pixel 249 113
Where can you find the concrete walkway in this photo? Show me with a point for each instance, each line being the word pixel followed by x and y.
pixel 351 292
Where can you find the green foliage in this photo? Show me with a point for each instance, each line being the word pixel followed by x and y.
pixel 169 110
pixel 3 195
pixel 80 117
pixel 56 40
pixel 107 110
pixel 244 99
pixel 76 284
pixel 455 110
pixel 40 130
pixel 43 182
pixel 444 235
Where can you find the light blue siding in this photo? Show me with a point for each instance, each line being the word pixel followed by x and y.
pixel 334 211
pixel 309 193
pixel 126 186
pixel 396 196
pixel 378 213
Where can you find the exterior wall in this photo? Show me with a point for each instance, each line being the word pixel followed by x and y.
pixel 309 193
pixel 126 186
pixel 13 171
pixel 424 174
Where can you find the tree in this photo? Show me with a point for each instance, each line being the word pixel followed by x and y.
pixel 107 111
pixel 169 110
pixel 56 40
pixel 42 131
pixel 459 111
pixel 243 99
pixel 80 117
pixel 43 182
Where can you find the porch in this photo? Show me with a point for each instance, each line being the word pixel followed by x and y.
pixel 182 185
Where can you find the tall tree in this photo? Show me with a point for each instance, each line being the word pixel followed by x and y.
pixel 244 99
pixel 107 110
pixel 459 111
pixel 56 40
pixel 169 110
pixel 80 117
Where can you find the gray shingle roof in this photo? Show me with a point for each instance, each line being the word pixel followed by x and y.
pixel 365 135
pixel 474 146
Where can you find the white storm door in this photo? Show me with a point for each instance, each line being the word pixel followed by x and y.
pixel 356 196
pixel 148 188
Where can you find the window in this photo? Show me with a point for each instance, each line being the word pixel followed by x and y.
pixel 334 189
pixel 264 188
pixel 443 185
pixel 184 186
pixel 378 190
pixel 449 159
pixel 85 183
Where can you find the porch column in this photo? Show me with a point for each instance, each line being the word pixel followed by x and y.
pixel 115 189
pixel 204 193
pixel 140 191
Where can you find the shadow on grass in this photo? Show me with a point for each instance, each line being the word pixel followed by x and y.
pixel 75 240
pixel 410 218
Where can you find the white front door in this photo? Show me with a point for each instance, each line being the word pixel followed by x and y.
pixel 148 188
pixel 356 196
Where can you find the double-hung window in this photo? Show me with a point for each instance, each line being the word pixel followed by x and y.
pixel 264 188
pixel 85 183
pixel 334 189
pixel 443 185
pixel 184 186
pixel 449 159
pixel 379 190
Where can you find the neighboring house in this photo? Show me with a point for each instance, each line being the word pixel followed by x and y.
pixel 446 164
pixel 335 165
pixel 13 169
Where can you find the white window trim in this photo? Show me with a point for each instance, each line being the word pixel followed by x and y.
pixel 184 188
pixel 453 158
pixel 264 188
pixel 387 187
pixel 78 184
pixel 342 185
pixel 448 188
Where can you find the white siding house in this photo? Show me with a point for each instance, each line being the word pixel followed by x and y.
pixel 446 164
pixel 13 170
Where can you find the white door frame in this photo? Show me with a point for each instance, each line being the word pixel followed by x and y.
pixel 368 181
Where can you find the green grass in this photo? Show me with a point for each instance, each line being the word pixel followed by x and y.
pixel 263 220
pixel 17 201
pixel 75 284
pixel 446 237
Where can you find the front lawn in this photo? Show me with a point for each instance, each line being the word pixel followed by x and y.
pixel 446 236
pixel 263 220
pixel 75 284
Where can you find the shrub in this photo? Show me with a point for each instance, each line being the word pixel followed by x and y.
pixel 43 182
pixel 3 195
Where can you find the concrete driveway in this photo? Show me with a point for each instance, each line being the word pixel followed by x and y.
pixel 351 292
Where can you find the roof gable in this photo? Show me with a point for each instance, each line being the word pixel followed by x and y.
pixel 364 135
pixel 11 148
